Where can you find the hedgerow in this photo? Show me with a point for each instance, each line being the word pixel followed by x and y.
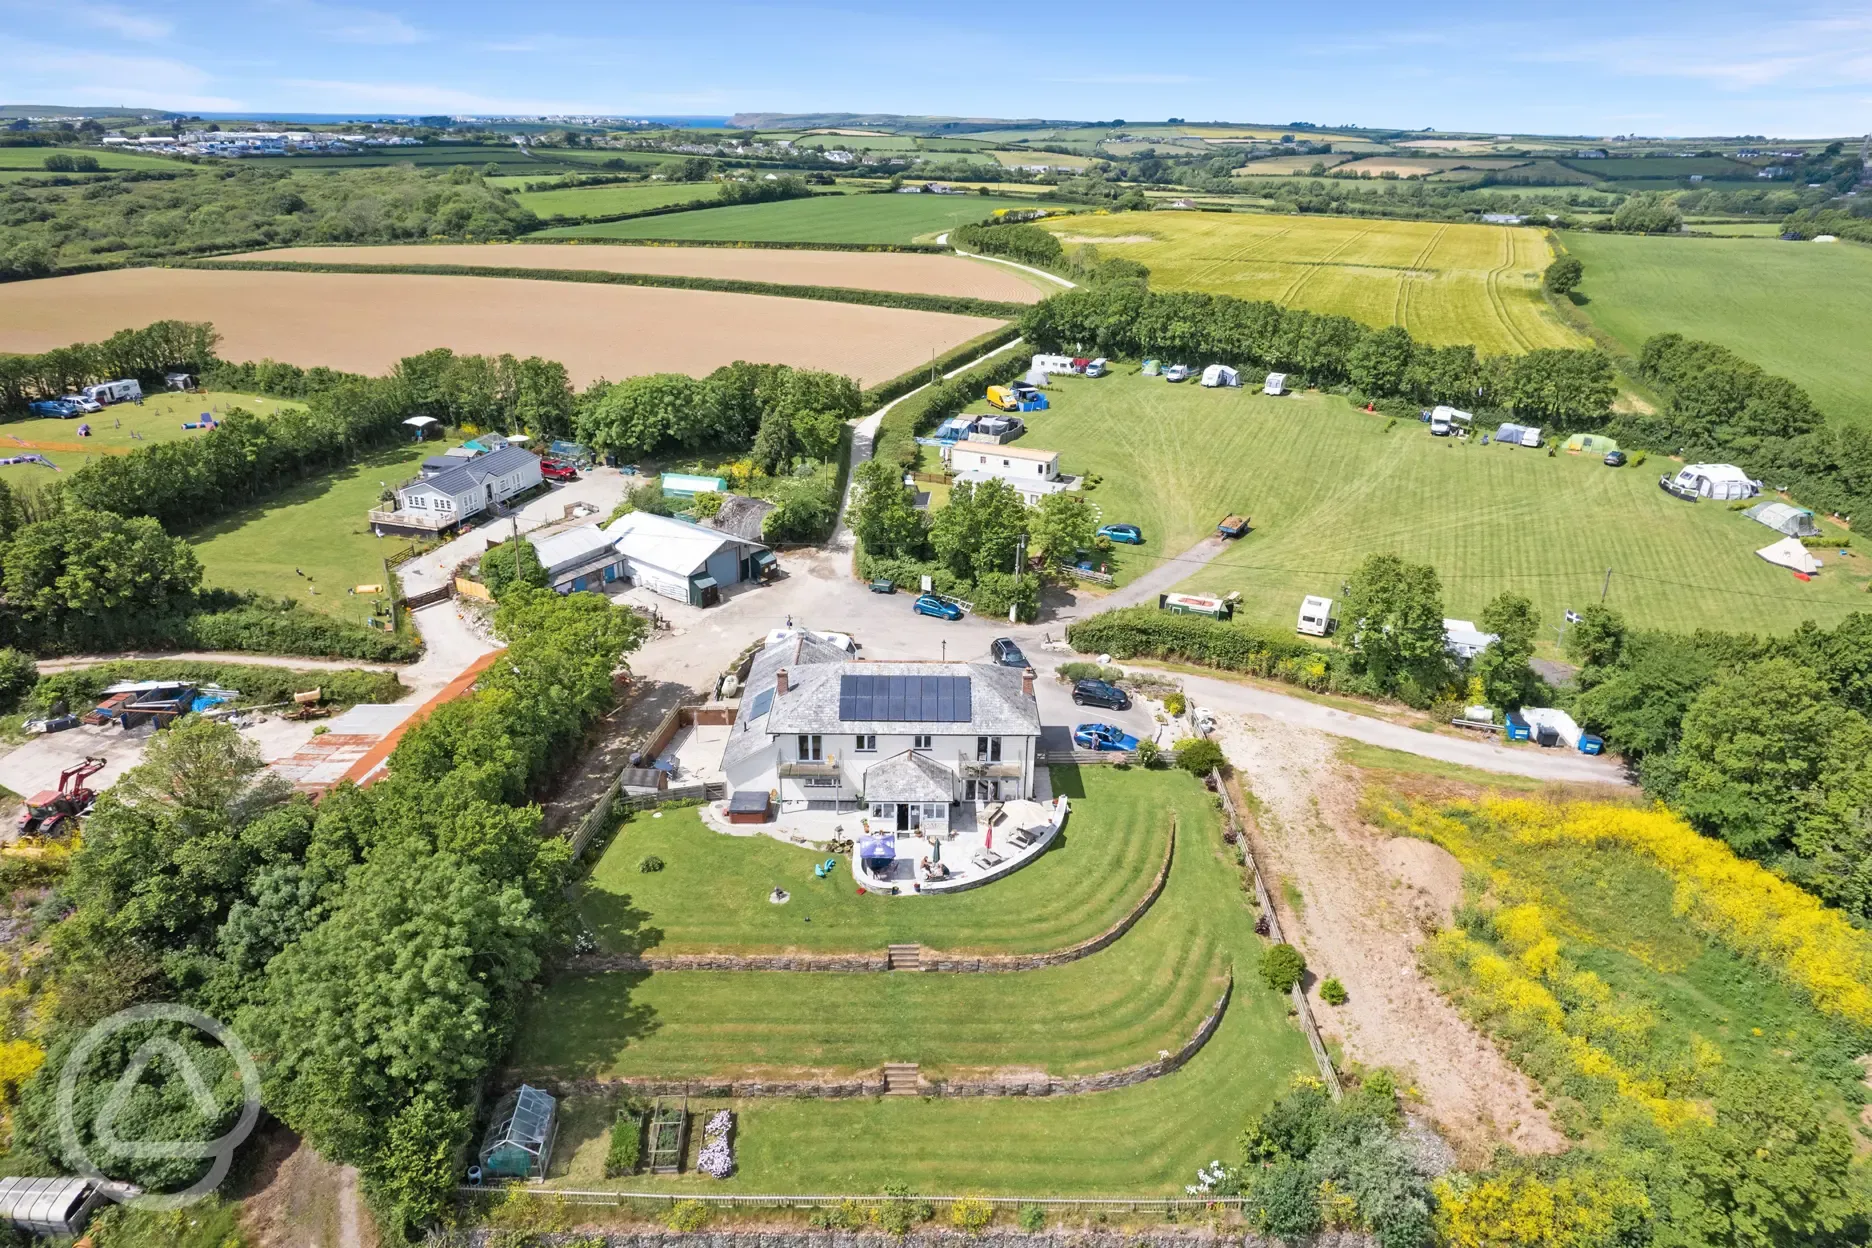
pixel 259 685
pixel 1145 632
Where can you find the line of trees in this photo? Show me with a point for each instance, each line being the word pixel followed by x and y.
pixel 372 950
pixel 145 354
pixel 781 412
pixel 1721 407
pixel 1568 389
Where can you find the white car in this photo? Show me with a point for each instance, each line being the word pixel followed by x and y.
pixel 82 404
pixel 1176 372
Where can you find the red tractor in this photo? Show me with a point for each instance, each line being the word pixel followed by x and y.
pixel 48 813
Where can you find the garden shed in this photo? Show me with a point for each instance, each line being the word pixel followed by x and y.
pixel 519 1139
pixel 1783 518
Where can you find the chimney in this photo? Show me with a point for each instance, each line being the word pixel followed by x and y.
pixel 1027 679
pixel 779 681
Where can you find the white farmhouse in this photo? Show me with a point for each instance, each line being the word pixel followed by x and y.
pixel 906 742
pixel 450 492
pixel 1034 473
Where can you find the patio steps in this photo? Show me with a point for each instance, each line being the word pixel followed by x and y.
pixel 901 1079
pixel 904 957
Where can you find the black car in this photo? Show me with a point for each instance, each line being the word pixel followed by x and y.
pixel 1005 652
pixel 1100 693
pixel 1615 459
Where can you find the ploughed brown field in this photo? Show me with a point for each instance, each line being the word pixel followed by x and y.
pixel 366 322
pixel 876 270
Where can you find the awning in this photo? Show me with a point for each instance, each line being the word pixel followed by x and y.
pixel 422 422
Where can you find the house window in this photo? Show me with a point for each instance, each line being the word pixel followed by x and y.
pixel 822 782
pixel 811 748
pixel 443 504
pixel 922 741
pixel 987 749
pixel 416 502
pixel 866 743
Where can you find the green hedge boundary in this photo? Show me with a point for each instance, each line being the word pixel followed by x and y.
pixel 906 300
pixel 896 435
pixel 924 374
pixel 1147 633
pixel 926 249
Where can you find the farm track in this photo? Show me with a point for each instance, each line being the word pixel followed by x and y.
pixel 1492 283
pixel 1401 311
pixel 1299 284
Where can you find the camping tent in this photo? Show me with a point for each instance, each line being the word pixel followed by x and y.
pixel 1789 553
pixel 1718 481
pixel 1220 375
pixel 1518 435
pixel 1036 377
pixel 1591 443
pixel 1785 519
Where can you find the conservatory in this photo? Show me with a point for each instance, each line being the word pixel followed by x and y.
pixel 519 1140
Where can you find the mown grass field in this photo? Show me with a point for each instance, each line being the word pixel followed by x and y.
pixel 1444 283
pixel 712 894
pixel 601 201
pixel 122 427
pixel 32 159
pixel 1803 310
pixel 1327 485
pixel 1147 1139
pixel 822 219
pixel 318 528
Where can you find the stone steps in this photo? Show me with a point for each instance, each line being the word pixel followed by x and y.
pixel 904 957
pixel 901 1079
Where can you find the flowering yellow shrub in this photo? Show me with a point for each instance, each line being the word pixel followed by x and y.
pixel 18 1060
pixel 1511 1210
pixel 1739 903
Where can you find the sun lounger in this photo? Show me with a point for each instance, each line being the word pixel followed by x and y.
pixel 1024 837
pixel 986 858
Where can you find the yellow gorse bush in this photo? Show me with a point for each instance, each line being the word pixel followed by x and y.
pixel 1511 1210
pixel 1736 902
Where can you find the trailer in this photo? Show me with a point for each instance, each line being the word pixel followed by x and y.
pixel 1316 617
pixel 105 393
pixel 1232 527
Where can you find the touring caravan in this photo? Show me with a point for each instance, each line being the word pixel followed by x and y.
pixel 108 392
pixel 1315 616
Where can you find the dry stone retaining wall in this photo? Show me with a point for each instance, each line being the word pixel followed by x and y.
pixel 1159 1237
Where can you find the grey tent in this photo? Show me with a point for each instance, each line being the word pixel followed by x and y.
pixel 1037 378
pixel 1784 519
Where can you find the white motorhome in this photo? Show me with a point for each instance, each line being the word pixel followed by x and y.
pixel 1315 616
pixel 1053 363
pixel 108 392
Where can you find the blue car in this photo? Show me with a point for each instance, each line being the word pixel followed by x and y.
pixel 930 604
pixel 52 407
pixel 1129 534
pixel 1103 737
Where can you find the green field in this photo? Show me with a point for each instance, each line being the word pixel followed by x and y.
pixel 33 159
pixel 1118 1006
pixel 822 219
pixel 1803 310
pixel 1327 485
pixel 604 201
pixel 1668 168
pixel 159 419
pixel 1445 283
pixel 713 894
pixel 318 528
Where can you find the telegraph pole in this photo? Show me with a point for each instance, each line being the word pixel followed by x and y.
pixel 1020 557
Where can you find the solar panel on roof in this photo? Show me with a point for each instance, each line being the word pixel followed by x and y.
pixel 905 699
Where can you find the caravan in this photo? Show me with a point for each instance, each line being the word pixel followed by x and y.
pixel 1220 375
pixel 1316 618
pixel 1053 364
pixel 108 392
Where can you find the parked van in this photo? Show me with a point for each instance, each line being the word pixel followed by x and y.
pixel 1097 368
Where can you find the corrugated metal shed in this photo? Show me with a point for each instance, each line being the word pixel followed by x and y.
pixel 58 1206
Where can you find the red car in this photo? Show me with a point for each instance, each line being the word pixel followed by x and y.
pixel 558 472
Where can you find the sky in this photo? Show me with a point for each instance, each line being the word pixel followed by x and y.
pixel 1592 67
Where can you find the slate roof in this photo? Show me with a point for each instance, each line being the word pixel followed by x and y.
pixel 909 777
pixel 811 702
pixel 472 472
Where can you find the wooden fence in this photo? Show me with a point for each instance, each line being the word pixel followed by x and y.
pixel 595 819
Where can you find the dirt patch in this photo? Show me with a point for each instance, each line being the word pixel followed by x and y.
pixel 929 275
pixel 1369 902
pixel 366 322
pixel 301 1200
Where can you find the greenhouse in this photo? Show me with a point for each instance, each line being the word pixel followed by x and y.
pixel 519 1140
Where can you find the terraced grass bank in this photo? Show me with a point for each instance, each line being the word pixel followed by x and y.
pixel 1447 284
pixel 1147 993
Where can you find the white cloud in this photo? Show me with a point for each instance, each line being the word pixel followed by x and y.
pixel 348 24
pixel 101 79
pixel 142 27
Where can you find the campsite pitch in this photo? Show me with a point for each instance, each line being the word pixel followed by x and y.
pixel 365 322
pixel 116 430
pixel 896 271
pixel 1445 283
pixel 1327 484
pixel 1802 310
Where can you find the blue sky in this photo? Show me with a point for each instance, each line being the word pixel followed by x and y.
pixel 1586 68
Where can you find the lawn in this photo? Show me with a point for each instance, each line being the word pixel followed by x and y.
pixel 1327 485
pixel 123 427
pixel 33 158
pixel 822 219
pixel 1147 1139
pixel 1445 283
pixel 602 201
pixel 1803 310
pixel 317 528
pixel 712 892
